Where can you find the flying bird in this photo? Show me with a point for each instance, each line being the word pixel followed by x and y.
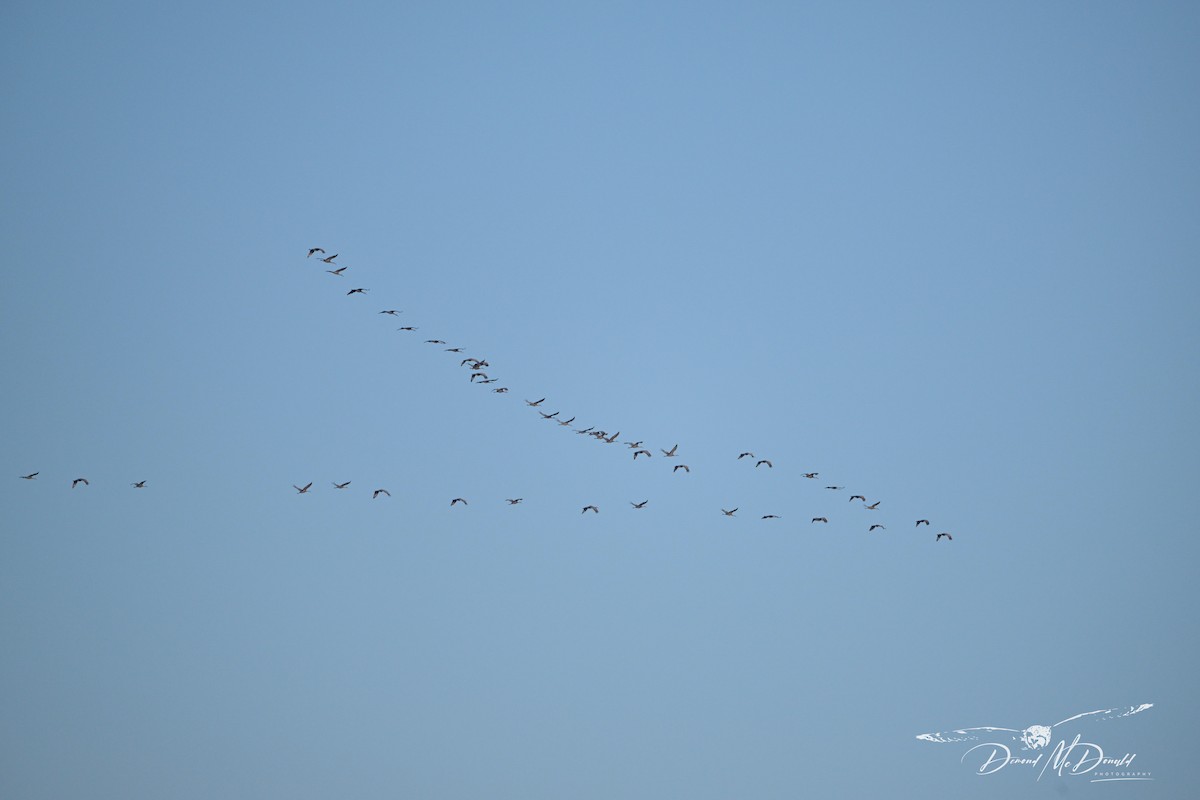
pixel 31 476
pixel 304 490
pixel 940 535
pixel 745 455
pixel 391 311
pixel 512 501
pixel 379 492
pixel 634 445
pixel 612 439
pixel 639 505
pixel 566 422
pixel 501 390
pixel 407 328
pixel 459 500
pixel 857 497
pixel 356 291
pixel 819 519
pixel 337 485
pixel 873 527
pixel 873 506
pixel 337 271
pixel 921 522
pixel 139 485
pixel 77 481
pixel 330 259
pixel 670 453
pixel 771 516
pixel 678 467
pixel 535 402
pixel 728 513
pixel 589 508
pixel 811 474
pixel 1035 737
pixel 548 416
pixel 454 349
pixel 764 461
pixel 434 341
pixel 646 453
pixel 835 488
pixel 312 250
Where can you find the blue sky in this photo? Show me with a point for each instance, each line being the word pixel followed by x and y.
pixel 942 254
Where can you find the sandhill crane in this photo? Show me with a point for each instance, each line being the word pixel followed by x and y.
pixel 330 259
pixel 391 311
pixel 357 291
pixel 771 516
pixel 589 508
pixel 337 271
pixel 678 467
pixel 78 481
pixel 31 476
pixel 819 519
pixel 857 497
pixel 337 485
pixel 645 453
pixel 535 402
pixel 304 489
pixel 921 522
pixel 764 461
pixel 639 505
pixel 670 453
pixel 139 485
pixel 378 492
pixel 811 474
pixel 747 454
pixel 873 506
pixel 728 513
pixel 312 250
pixel 512 501
pixel 458 500
pixel 873 527
pixel 940 535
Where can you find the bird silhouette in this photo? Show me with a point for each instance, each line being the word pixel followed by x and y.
pixel 459 500
pixel 78 481
pixel 857 497
pixel 745 455
pixel 139 485
pixel 512 501
pixel 728 513
pixel 921 522
pixel 330 259
pixel 873 527
pixel 670 453
pixel 337 485
pixel 771 516
pixel 940 535
pixel 357 291
pixel 639 505
pixel 764 461
pixel 392 311
pixel 535 402
pixel 645 453
pixel 589 508
pixel 678 467
pixel 819 519
pixel 379 492
pixel 312 250
pixel 31 476
pixel 337 271
pixel 873 506
pixel 303 490
pixel 811 474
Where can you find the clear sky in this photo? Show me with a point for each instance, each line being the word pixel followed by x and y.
pixel 942 254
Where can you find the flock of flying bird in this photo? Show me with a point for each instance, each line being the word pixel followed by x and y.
pixel 477 375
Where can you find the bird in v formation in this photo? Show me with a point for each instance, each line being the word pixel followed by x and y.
pixel 476 365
